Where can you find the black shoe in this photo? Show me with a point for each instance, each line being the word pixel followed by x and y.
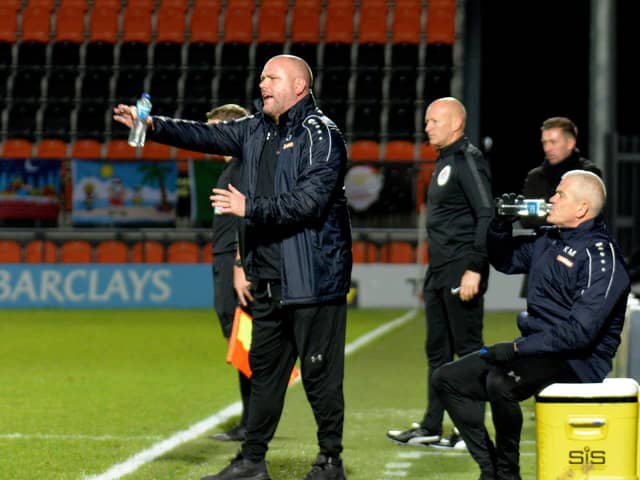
pixel 234 434
pixel 326 468
pixel 454 442
pixel 414 436
pixel 242 468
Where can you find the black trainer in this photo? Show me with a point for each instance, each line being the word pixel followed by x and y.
pixel 414 436
pixel 326 468
pixel 241 468
pixel 454 442
pixel 234 434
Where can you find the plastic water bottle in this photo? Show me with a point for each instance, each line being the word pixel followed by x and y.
pixel 524 207
pixel 138 131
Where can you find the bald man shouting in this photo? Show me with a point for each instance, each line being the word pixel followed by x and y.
pixel 459 209
pixel 296 253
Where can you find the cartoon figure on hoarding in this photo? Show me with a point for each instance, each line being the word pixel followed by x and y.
pixel 89 196
pixel 137 195
pixel 116 196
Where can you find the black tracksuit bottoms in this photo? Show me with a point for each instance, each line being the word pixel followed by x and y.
pixel 465 385
pixel 454 327
pixel 281 334
pixel 225 301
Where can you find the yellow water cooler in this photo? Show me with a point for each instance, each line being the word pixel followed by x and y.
pixel 588 431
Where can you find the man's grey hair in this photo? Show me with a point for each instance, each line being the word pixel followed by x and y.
pixel 589 188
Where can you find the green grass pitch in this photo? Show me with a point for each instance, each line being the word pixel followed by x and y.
pixel 82 391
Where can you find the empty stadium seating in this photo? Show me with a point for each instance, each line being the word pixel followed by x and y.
pixel 40 251
pixel 396 251
pixel 76 251
pixel 183 252
pixel 10 251
pixel 364 150
pixel 112 251
pixel 355 49
pixel 149 251
pixel 364 251
pixel 64 64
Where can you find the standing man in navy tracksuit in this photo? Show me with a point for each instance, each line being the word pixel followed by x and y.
pixel 459 209
pixel 296 252
pixel 576 302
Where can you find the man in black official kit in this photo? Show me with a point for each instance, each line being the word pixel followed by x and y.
pixel 225 250
pixel 297 254
pixel 459 209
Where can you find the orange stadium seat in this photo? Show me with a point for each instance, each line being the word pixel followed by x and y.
pixel 305 32
pixel 112 4
pixel 338 26
pixel 17 148
pixel 15 5
pixel 426 167
pixel 119 149
pixel 246 4
pixel 364 251
pixel 10 251
pixel 76 251
pixel 373 24
pixel 36 24
pixel 364 150
pixel 86 149
pixel 156 151
pixel 112 251
pixel 143 4
pixel 148 251
pixel 70 24
pixel 40 251
pixel 406 24
pixel 170 22
pixel 206 253
pixel 137 24
pixel 441 20
pixel 181 4
pixel 47 5
pixel 204 24
pixel 422 253
pixel 399 151
pixel 396 251
pixel 103 25
pixel 428 152
pixel 8 24
pixel 207 3
pixel 81 4
pixel 182 154
pixel 305 22
pixel 51 148
pixel 183 252
pixel 238 26
pixel 271 24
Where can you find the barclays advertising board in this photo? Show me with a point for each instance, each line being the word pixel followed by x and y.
pixel 107 286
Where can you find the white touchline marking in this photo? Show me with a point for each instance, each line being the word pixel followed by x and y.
pixel 398 465
pixel 381 330
pixel 395 473
pixel 145 456
pixel 446 453
pixel 97 438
